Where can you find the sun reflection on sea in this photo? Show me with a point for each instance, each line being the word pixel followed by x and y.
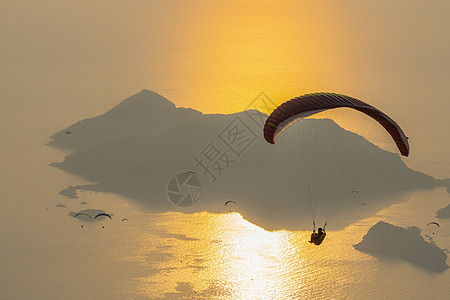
pixel 225 257
pixel 221 256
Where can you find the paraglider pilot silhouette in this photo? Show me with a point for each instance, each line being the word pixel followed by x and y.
pixel 317 238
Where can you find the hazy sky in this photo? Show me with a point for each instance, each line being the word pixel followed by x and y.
pixel 63 61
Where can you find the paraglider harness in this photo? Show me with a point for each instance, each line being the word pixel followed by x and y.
pixel 317 238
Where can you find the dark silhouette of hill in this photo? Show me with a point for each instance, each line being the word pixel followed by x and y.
pixel 384 240
pixel 140 167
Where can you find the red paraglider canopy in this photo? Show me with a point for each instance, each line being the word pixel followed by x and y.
pixel 289 112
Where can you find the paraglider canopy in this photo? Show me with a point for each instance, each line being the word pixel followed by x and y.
pixel 291 111
pixel 82 214
pixel 230 201
pixel 103 214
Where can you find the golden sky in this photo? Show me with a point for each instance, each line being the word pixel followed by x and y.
pixel 217 56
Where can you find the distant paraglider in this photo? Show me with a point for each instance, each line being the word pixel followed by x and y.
pixel 103 215
pixel 432 227
pixel 229 203
pixel 124 220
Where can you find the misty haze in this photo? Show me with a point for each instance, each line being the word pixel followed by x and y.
pixel 192 150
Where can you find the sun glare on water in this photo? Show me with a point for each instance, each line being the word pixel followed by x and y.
pixel 227 257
